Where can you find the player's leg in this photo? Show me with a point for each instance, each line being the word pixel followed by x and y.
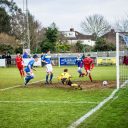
pixel 22 72
pixel 51 76
pixel 63 80
pixel 79 71
pixel 51 73
pixel 28 77
pixel 47 74
pixel 19 68
pixel 89 75
pixel 69 82
pixel 76 86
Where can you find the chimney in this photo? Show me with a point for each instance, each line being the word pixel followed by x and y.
pixel 71 29
pixel 112 31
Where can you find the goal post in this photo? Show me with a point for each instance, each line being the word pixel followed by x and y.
pixel 121 59
pixel 117 61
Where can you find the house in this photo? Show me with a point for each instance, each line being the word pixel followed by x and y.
pixel 74 36
pixel 111 36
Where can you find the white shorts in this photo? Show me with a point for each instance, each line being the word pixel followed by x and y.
pixel 49 68
pixel 30 74
pixel 79 69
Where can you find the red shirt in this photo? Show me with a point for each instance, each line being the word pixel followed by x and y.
pixel 19 61
pixel 88 63
pixel 125 60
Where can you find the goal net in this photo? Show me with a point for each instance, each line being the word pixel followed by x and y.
pixel 122 59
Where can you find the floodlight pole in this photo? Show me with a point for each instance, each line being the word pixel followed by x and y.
pixel 26 45
pixel 117 61
pixel 27 19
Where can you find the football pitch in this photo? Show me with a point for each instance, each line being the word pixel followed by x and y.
pixel 41 106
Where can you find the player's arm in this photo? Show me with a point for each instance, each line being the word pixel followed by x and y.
pixel 43 59
pixel 52 62
pixel 33 69
pixel 92 64
pixel 30 68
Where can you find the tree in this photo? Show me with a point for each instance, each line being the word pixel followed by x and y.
pixel 79 47
pixel 101 45
pixel 95 24
pixel 122 25
pixel 51 38
pixel 4 21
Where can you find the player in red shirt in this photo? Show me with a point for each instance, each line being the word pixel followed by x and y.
pixel 88 65
pixel 19 64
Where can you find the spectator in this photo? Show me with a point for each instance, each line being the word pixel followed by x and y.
pixel 4 56
pixel 8 58
pixel 25 55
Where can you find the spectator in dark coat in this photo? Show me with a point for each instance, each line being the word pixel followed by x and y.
pixel 8 58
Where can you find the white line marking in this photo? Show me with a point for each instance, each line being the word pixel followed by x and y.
pixel 54 102
pixel 123 85
pixel 79 121
pixel 4 89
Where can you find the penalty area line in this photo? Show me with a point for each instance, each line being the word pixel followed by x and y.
pixel 52 102
pixel 4 89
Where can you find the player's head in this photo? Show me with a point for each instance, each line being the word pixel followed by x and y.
pixel 35 57
pixel 66 70
pixel 43 51
pixel 18 54
pixel 79 55
pixel 48 51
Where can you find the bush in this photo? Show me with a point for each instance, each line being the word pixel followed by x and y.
pixel 102 45
pixel 6 48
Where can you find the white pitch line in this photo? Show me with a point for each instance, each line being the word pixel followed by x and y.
pixel 92 111
pixel 4 89
pixel 53 102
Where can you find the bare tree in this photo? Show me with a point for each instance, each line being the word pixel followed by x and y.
pixel 95 24
pixel 122 25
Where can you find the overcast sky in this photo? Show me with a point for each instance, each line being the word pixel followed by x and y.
pixel 70 13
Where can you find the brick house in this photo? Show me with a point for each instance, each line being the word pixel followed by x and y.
pixel 111 36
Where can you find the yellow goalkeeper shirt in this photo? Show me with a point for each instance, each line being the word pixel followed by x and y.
pixel 65 75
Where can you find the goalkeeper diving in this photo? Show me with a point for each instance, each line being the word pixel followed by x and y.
pixel 65 78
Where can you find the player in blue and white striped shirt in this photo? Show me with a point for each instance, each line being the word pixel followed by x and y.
pixel 29 69
pixel 46 58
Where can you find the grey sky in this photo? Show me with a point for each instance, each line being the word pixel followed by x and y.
pixel 70 13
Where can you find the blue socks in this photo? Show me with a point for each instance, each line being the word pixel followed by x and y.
pixel 51 76
pixel 28 78
pixel 47 77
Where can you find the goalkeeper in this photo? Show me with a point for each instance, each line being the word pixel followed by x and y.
pixel 65 78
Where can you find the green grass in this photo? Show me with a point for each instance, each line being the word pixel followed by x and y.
pixel 113 115
pixel 48 115
pixel 11 77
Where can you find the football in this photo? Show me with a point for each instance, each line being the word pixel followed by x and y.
pixel 105 83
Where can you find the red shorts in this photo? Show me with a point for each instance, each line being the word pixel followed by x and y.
pixel 87 68
pixel 20 67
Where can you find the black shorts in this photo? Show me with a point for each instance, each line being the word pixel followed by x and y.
pixel 66 81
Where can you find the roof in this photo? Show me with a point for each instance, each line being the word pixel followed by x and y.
pixel 78 36
pixel 112 33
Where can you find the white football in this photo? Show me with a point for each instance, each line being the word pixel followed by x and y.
pixel 105 83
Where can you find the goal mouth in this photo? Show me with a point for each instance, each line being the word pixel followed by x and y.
pixel 84 84
pixel 122 59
